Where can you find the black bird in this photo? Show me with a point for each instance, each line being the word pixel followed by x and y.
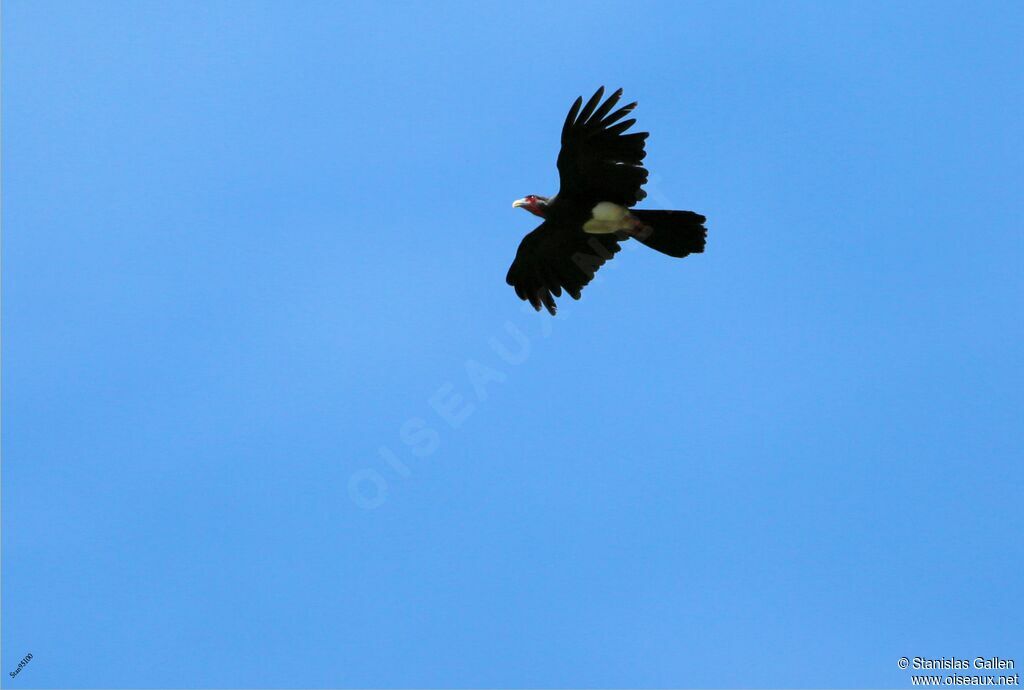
pixel 601 174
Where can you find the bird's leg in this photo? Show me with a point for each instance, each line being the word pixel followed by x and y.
pixel 636 228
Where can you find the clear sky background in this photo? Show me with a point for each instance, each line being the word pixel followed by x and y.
pixel 246 246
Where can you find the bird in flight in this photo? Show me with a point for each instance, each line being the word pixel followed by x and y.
pixel 601 176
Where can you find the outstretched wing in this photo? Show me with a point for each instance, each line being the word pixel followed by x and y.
pixel 597 161
pixel 555 257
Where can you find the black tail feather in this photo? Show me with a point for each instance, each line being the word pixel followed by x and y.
pixel 676 233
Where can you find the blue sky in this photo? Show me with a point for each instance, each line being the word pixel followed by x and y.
pixel 273 419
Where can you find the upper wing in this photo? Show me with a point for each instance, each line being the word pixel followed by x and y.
pixel 597 161
pixel 556 256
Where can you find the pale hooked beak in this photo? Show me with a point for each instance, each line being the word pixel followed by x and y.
pixel 519 203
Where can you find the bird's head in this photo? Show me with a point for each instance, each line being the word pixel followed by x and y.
pixel 537 205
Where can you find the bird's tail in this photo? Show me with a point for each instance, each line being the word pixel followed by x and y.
pixel 676 233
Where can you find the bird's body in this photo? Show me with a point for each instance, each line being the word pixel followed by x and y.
pixel 602 176
pixel 607 217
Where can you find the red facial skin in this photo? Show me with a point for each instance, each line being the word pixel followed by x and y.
pixel 533 205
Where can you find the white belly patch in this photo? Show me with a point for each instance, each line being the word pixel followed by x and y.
pixel 607 218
